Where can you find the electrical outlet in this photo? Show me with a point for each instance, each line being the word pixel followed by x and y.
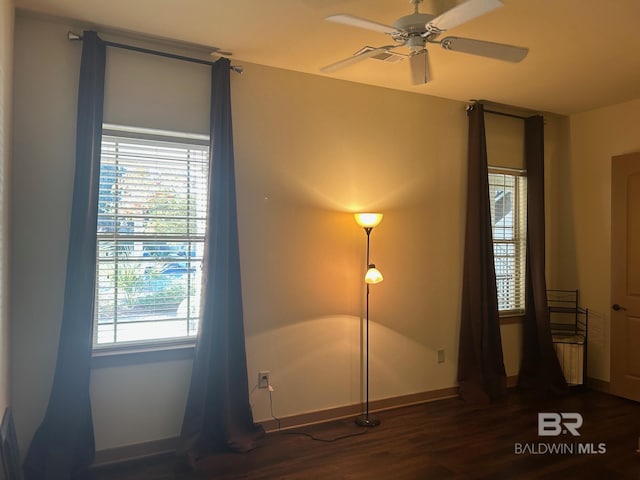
pixel 263 379
pixel 441 356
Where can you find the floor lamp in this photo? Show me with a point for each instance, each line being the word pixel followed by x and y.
pixel 373 275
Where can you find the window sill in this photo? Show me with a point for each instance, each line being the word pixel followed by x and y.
pixel 122 356
pixel 511 318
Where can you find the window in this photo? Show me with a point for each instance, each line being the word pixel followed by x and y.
pixel 150 236
pixel 508 195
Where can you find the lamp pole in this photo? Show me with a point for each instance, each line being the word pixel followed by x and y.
pixel 366 420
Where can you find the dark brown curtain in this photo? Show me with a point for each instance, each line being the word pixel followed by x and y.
pixel 481 372
pixel 218 416
pixel 63 446
pixel 539 367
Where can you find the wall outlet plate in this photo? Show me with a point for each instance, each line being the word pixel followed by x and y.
pixel 263 379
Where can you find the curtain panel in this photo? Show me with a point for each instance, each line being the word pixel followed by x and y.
pixel 218 415
pixel 481 372
pixel 539 368
pixel 63 446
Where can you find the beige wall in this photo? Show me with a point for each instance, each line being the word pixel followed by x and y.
pixel 309 152
pixel 596 136
pixel 6 114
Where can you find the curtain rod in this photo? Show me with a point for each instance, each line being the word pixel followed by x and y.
pixel 505 114
pixel 488 103
pixel 75 37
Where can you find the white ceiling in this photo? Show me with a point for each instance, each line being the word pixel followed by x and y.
pixel 584 54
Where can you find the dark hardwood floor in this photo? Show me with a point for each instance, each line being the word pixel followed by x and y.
pixel 438 440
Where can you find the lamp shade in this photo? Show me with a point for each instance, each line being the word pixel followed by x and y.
pixel 373 275
pixel 368 220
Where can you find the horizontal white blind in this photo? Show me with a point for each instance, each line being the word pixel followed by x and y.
pixel 508 196
pixel 151 228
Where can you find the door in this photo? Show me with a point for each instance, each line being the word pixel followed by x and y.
pixel 625 276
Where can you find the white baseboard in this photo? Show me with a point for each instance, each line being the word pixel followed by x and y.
pixel 597 384
pixel 168 446
pixel 138 451
pixel 309 418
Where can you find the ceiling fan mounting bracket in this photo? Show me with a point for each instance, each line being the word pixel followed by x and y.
pixel 445 43
pixel 433 30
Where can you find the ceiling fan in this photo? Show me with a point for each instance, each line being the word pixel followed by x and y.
pixel 418 29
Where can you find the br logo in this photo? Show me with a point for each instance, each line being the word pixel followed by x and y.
pixel 551 424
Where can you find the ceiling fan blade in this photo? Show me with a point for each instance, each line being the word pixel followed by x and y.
pixel 355 59
pixel 499 51
pixel 462 13
pixel 419 64
pixel 362 23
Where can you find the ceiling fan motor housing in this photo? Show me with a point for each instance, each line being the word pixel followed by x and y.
pixel 414 23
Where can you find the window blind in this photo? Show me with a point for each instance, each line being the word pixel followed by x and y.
pixel 508 197
pixel 150 236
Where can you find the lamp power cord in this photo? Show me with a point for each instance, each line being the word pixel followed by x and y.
pixel 306 434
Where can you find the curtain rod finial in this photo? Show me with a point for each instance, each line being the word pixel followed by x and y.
pixel 73 36
pixel 237 68
pixel 471 106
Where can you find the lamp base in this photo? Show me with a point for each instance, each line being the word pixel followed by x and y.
pixel 366 420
